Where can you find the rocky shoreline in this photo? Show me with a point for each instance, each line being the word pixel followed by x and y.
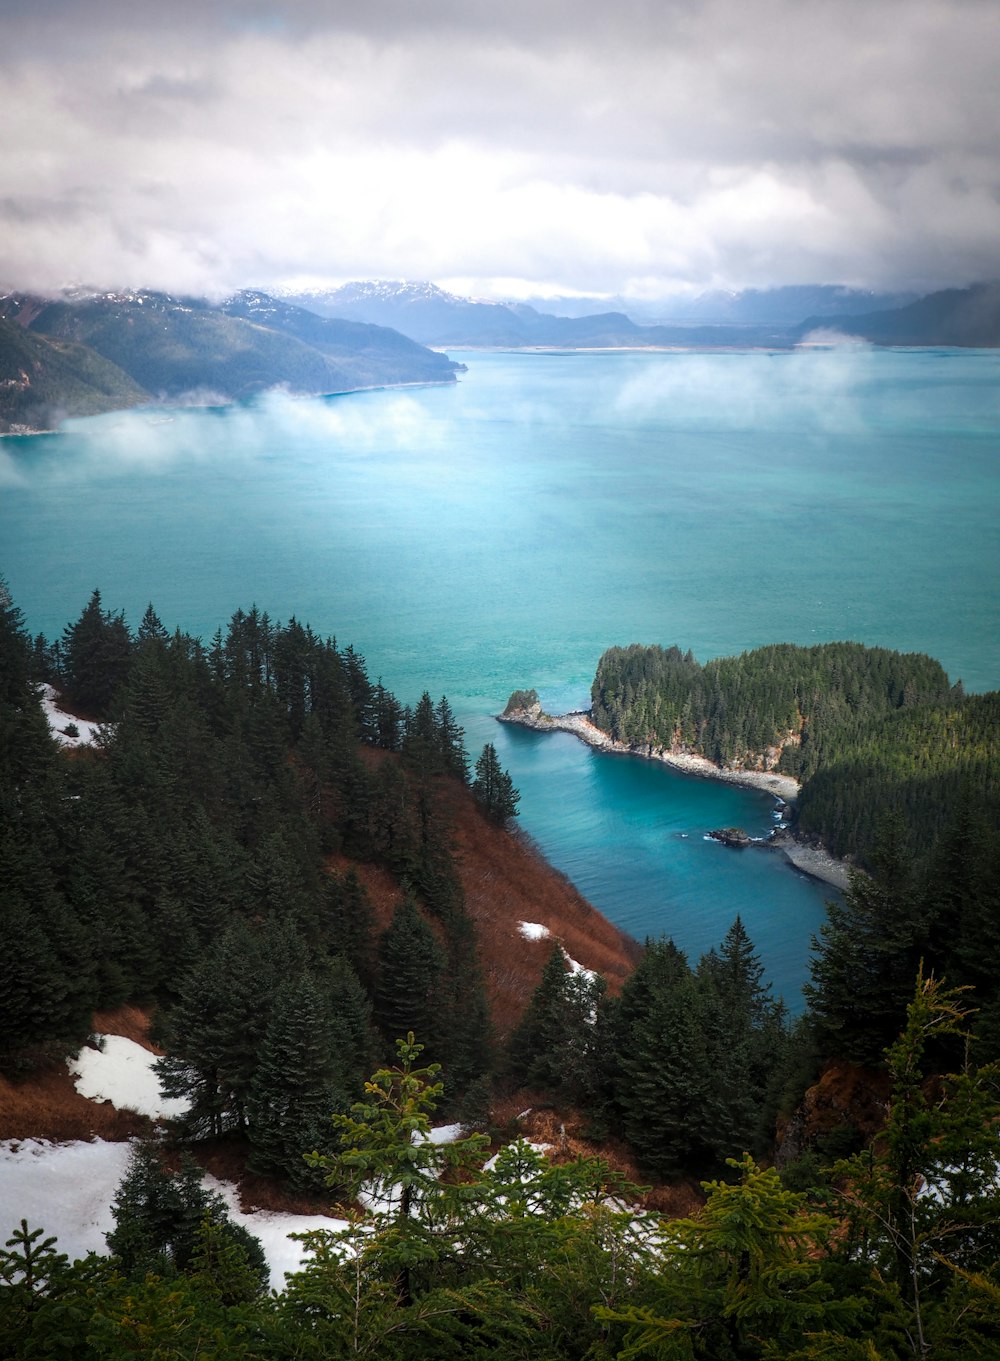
pixel 807 859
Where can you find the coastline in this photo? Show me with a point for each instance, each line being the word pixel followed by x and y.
pixel 176 404
pixel 807 859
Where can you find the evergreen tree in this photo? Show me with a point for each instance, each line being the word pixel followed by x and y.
pixel 742 1281
pixel 150 628
pixel 410 972
pixel 215 1031
pixel 744 1037
pixel 867 955
pixel 451 741
pixel 96 657
pixel 350 922
pixel 921 1208
pixel 662 1082
pixel 562 1042
pixel 298 1082
pixel 493 788
pixel 159 1218
pixel 15 652
pixel 418 1183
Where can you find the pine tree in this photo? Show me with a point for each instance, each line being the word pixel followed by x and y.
pixel 493 788
pixel 298 1082
pixel 96 657
pixel 411 967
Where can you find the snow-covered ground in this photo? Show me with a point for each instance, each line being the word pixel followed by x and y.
pixel 67 1189
pixel 86 732
pixel 122 1072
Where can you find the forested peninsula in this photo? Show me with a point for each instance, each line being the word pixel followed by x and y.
pixel 867 734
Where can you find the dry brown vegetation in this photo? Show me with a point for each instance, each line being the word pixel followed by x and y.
pixel 506 881
pixel 48 1106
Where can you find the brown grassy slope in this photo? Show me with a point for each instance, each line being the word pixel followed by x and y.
pixel 48 1106
pixel 507 881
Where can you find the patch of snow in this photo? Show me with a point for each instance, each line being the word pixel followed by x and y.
pixel 65 1189
pixel 444 1134
pixel 284 1255
pixel 87 732
pixel 533 930
pixel 122 1072
pixel 68 1189
pixel 577 968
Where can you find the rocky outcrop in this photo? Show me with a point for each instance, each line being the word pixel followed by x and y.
pixel 732 836
pixel 844 1109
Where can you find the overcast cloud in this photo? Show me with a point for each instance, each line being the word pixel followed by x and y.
pixel 631 148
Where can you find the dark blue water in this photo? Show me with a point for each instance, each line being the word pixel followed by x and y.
pixel 502 533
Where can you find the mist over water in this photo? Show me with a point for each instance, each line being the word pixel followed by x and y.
pixel 503 532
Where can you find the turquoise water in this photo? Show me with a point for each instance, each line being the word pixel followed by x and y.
pixel 501 533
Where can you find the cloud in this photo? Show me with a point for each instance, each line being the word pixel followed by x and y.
pixel 156 440
pixel 575 146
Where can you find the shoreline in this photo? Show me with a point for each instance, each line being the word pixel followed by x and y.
pixel 807 859
pixel 144 408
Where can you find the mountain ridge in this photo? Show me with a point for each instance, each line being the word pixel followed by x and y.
pixel 105 351
pixel 779 318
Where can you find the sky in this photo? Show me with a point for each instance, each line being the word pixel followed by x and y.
pixel 525 148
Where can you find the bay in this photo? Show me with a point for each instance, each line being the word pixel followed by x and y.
pixel 501 533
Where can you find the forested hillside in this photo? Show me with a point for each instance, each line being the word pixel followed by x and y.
pixel 217 857
pixel 86 352
pixel 44 380
pixel 185 863
pixel 866 730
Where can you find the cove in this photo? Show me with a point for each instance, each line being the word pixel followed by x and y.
pixel 501 533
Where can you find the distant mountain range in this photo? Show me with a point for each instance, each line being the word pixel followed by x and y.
pixel 429 314
pixel 776 318
pixel 84 353
pixel 88 352
pixel 786 306
pixel 954 316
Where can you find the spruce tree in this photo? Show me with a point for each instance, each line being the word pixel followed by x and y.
pixel 493 788
pixel 297 1083
pixel 744 1038
pixel 867 955
pixel 661 1079
pixel 411 968
pixel 159 1217
pixel 96 657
